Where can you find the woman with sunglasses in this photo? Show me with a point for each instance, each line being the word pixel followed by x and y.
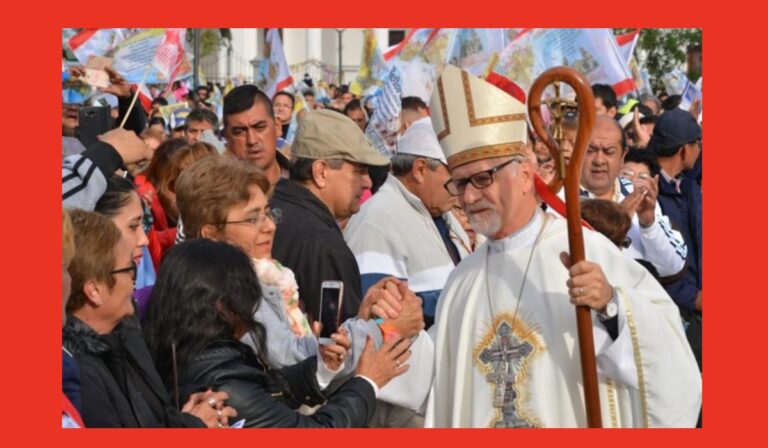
pixel 119 384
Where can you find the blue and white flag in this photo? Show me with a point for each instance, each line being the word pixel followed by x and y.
pixel 384 126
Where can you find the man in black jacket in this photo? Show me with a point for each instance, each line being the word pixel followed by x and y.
pixel 328 178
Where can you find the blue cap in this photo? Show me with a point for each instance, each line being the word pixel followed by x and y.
pixel 673 129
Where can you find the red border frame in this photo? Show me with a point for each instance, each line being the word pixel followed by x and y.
pixel 31 77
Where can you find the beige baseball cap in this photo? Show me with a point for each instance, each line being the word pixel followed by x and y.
pixel 326 134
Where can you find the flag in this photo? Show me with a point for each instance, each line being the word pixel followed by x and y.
pixel 420 59
pixel 170 54
pixel 278 75
pixel 384 126
pixel 94 42
pixel 143 49
pixel 592 51
pixel 676 83
pixel 372 65
pixel 473 48
pixel 145 97
pixel 626 43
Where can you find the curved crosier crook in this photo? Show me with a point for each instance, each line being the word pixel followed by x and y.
pixel 586 104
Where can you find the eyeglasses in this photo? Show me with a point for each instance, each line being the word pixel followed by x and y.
pixel 483 179
pixel 275 215
pixel 131 270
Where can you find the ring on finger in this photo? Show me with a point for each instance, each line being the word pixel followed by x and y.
pixel 212 402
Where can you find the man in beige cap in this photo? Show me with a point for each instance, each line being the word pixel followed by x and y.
pixel 505 330
pixel 328 177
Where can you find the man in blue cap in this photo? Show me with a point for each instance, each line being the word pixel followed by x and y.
pixel 676 140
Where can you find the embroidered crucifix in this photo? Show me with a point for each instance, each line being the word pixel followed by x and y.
pixel 506 355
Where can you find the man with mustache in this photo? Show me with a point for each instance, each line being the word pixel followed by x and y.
pixel 328 176
pixel 652 236
pixel 505 329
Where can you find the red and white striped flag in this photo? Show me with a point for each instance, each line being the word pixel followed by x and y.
pixel 170 53
pixel 626 43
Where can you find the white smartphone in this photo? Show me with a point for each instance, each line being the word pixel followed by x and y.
pixel 331 294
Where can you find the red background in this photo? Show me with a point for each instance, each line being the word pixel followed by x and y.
pixel 31 109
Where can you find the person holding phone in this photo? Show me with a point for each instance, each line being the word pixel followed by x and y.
pixel 202 274
pixel 224 199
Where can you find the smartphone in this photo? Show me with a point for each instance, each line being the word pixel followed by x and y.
pixel 331 293
pixel 94 121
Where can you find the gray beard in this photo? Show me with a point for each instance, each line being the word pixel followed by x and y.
pixel 487 225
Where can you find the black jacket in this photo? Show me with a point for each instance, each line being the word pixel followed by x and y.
pixel 120 386
pixel 231 366
pixel 309 242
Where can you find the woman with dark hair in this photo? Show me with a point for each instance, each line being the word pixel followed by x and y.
pixel 121 203
pixel 120 386
pixel 203 304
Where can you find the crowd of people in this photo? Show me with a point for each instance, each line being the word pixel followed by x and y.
pixel 195 251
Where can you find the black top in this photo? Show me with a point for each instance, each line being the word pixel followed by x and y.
pixel 268 399
pixel 120 386
pixel 309 242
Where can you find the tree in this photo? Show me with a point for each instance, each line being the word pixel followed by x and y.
pixel 659 50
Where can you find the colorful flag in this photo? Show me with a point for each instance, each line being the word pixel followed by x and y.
pixel 143 49
pixel 627 43
pixel 592 51
pixel 278 75
pixel 372 66
pixel 420 59
pixel 676 83
pixel 384 126
pixel 94 42
pixel 473 48
pixel 170 55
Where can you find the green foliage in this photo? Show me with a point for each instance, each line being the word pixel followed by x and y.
pixel 659 50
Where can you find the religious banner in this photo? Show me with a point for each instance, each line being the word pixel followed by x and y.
pixel 676 83
pixel 420 58
pixel 94 42
pixel 592 51
pixel 473 48
pixel 278 75
pixel 136 53
pixel 384 126
pixel 372 65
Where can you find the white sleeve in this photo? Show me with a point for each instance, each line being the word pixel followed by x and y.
pixel 615 358
pixel 410 389
pixel 663 246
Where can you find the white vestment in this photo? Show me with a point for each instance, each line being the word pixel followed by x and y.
pixel 527 362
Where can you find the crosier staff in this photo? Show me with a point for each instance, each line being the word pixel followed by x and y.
pixel 570 177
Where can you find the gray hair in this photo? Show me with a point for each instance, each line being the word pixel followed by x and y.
pixel 402 164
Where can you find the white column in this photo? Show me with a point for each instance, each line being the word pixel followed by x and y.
pixel 382 37
pixel 314 44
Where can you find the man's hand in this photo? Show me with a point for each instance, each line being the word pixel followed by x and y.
pixel 587 284
pixel 410 321
pixel 382 300
pixel 118 85
pixel 646 210
pixel 131 148
pixel 641 135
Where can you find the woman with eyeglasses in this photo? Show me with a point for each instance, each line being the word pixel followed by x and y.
pixel 119 384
